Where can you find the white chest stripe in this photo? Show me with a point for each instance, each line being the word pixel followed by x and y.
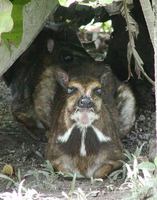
pixel 101 137
pixel 64 138
pixel 83 148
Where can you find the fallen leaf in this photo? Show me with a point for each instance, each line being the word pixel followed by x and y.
pixel 8 170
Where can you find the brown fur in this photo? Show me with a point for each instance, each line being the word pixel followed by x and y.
pixel 41 103
pixel 102 157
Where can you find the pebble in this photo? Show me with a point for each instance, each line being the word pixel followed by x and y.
pixel 141 118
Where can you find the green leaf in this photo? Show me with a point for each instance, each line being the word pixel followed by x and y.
pixel 155 161
pixel 105 1
pixel 147 166
pixel 6 21
pixel 6 178
pixel 62 2
pixel 15 35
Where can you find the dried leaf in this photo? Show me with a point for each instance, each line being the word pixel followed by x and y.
pixel 8 170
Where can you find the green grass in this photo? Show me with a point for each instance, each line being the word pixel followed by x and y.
pixel 138 174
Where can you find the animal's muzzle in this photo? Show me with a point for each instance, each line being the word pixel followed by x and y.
pixel 85 102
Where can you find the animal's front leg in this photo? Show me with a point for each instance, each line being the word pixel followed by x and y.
pixel 104 170
pixel 65 165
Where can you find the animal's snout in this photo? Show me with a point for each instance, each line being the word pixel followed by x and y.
pixel 85 102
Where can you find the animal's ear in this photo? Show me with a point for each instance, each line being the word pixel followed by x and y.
pixel 62 78
pixel 109 83
pixel 50 45
pixel 107 75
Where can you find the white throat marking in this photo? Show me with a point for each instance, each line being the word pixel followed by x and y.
pixel 65 137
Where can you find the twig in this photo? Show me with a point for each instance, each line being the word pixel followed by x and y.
pixel 132 51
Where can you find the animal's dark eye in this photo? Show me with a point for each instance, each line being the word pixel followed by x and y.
pixel 98 91
pixel 66 57
pixel 71 90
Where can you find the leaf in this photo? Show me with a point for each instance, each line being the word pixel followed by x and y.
pixel 138 150
pixel 147 166
pixel 105 1
pixel 16 33
pixel 7 178
pixel 6 21
pixel 129 171
pixel 62 2
pixel 155 161
pixel 128 155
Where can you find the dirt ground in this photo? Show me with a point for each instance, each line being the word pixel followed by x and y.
pixel 27 155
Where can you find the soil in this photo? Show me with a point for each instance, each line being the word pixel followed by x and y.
pixel 26 155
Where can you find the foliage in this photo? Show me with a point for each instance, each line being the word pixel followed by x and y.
pixel 142 180
pixel 62 2
pixel 43 177
pixel 133 32
pixel 6 21
pixel 15 20
pixel 107 26
pixel 21 194
pixel 105 1
pixel 141 175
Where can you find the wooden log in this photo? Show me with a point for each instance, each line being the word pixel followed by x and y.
pixel 35 14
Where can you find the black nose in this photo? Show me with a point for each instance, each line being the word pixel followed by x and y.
pixel 85 102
